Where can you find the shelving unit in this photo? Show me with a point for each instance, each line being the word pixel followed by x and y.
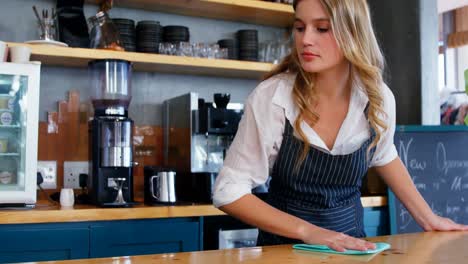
pixel 9 126
pixel 249 11
pixel 79 57
pixel 9 154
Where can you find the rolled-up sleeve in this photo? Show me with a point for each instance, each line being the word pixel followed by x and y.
pixel 246 164
pixel 385 151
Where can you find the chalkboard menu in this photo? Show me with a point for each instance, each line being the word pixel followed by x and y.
pixel 437 160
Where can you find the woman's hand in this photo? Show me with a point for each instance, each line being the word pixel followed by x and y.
pixel 438 223
pixel 334 240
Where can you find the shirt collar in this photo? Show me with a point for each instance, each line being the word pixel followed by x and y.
pixel 283 95
pixel 284 99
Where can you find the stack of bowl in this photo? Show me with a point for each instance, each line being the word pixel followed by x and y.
pixel 149 35
pixel 231 46
pixel 248 44
pixel 126 29
pixel 176 34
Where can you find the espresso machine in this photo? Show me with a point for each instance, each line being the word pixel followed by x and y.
pixel 197 135
pixel 111 134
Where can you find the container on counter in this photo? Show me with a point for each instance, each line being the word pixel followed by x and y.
pixel 103 33
pixel 8 167
pixel 6 117
pixel 7 102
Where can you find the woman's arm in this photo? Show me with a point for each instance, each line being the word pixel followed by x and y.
pixel 398 179
pixel 254 211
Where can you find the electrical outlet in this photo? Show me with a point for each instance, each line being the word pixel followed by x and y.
pixel 72 171
pixel 48 170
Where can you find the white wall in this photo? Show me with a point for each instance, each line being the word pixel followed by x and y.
pixel 447 5
pixel 17 23
pixel 462 65
pixel 430 109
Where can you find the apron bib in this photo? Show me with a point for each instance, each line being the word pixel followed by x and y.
pixel 325 190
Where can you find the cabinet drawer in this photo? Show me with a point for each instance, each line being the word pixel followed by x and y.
pixel 376 221
pixel 22 243
pixel 375 217
pixel 138 237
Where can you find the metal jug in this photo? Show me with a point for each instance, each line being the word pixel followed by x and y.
pixel 162 187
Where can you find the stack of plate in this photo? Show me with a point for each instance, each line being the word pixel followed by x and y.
pixel 149 35
pixel 176 34
pixel 126 28
pixel 231 45
pixel 248 44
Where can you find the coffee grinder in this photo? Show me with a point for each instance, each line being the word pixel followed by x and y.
pixel 111 134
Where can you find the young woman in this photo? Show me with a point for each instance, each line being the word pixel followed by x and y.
pixel 319 121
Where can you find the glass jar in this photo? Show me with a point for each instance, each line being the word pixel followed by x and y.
pixel 110 83
pixel 103 34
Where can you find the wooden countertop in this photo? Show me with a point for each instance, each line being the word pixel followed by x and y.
pixel 45 213
pixel 435 247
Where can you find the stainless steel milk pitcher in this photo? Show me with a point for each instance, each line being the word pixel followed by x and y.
pixel 162 187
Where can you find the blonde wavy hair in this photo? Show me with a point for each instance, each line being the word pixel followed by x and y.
pixel 352 27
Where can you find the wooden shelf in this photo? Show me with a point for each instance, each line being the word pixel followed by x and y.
pixel 250 11
pixel 79 57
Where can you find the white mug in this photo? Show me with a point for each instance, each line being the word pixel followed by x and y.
pixel 20 54
pixel 67 198
pixel 3 51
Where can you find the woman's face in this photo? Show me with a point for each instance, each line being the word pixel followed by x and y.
pixel 315 43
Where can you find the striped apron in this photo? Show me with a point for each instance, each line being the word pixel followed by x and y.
pixel 324 191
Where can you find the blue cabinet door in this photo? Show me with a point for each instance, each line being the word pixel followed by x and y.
pixel 20 243
pixel 138 237
pixel 376 221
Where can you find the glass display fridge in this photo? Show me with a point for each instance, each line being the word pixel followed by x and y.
pixel 19 110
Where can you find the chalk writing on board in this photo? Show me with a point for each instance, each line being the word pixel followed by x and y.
pixel 453 209
pixel 456 184
pixel 437 161
pixel 419 186
pixel 444 164
pixel 413 164
pixel 405 217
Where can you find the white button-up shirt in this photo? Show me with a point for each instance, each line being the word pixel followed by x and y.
pixel 255 147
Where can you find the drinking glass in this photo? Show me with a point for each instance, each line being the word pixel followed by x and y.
pixel 47 29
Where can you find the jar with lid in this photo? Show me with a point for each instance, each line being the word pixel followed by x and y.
pixel 103 33
pixel 110 85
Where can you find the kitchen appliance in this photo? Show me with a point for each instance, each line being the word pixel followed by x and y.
pixel 159 185
pixel 72 23
pixel 238 238
pixel 224 231
pixel 197 135
pixel 19 90
pixel 111 134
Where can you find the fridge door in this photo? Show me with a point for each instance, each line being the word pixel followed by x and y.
pixel 19 107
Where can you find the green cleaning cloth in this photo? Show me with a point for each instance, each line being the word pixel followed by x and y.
pixel 379 247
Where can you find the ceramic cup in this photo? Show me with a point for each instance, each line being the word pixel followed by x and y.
pixel 6 177
pixel 3 51
pixel 67 198
pixel 20 54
